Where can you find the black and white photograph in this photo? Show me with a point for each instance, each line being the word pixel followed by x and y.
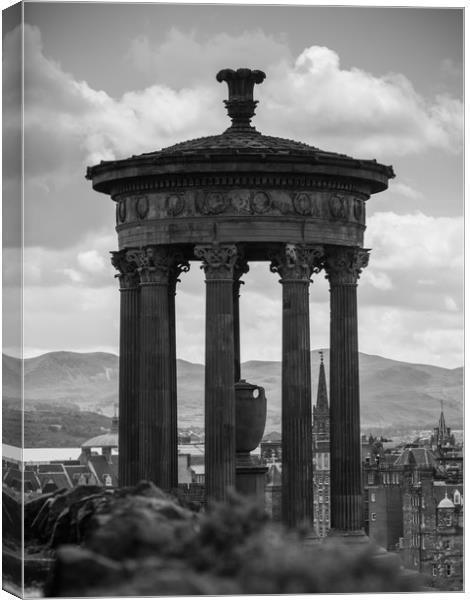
pixel 233 299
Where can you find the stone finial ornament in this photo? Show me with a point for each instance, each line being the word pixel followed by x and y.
pixel 240 104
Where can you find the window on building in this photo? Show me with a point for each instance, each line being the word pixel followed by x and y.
pixel 372 497
pixel 434 570
pixel 373 516
pixel 423 547
pixel 448 569
pixel 370 478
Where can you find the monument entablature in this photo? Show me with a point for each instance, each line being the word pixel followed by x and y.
pixel 226 200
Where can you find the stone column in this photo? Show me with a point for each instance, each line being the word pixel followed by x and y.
pixel 180 265
pixel 157 449
pixel 295 264
pixel 343 266
pixel 218 264
pixel 240 268
pixel 128 368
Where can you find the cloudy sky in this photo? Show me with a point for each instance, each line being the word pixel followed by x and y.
pixel 107 81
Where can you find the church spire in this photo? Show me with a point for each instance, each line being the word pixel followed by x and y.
pixel 442 429
pixel 322 394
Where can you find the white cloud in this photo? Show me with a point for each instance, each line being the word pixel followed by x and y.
pixel 91 261
pixel 417 336
pixel 409 295
pixel 426 244
pixel 403 189
pixel 359 112
pixel 68 124
pixel 51 267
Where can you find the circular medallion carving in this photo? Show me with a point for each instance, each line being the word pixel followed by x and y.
pixel 303 204
pixel 121 210
pixel 240 201
pixel 175 204
pixel 358 209
pixel 142 206
pixel 260 203
pixel 338 206
pixel 213 203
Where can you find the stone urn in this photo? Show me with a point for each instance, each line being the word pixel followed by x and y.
pixel 250 418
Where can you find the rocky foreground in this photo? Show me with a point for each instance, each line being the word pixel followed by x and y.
pixel 140 541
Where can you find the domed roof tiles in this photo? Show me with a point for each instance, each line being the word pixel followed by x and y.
pixel 446 502
pixel 106 440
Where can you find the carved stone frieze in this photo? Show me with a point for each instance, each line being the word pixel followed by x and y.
pixel 125 263
pixel 343 265
pixel 338 206
pixel 240 201
pixel 218 260
pixel 141 206
pixel 212 203
pixel 358 209
pixel 175 204
pixel 297 261
pixel 121 210
pixel 305 204
pixel 260 203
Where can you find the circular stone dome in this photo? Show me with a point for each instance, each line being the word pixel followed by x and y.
pixel 107 440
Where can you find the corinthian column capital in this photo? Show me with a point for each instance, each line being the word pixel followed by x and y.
pixel 297 262
pixel 123 261
pixel 154 264
pixel 343 265
pixel 218 260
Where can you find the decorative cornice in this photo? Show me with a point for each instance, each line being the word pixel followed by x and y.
pixel 127 267
pixel 218 260
pixel 297 262
pixel 343 265
pixel 163 182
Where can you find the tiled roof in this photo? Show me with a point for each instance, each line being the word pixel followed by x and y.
pixel 51 468
pixel 59 479
pixel 13 476
pixel 101 467
pixel 243 143
pixel 75 470
pixel 417 456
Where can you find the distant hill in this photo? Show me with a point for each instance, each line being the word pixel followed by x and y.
pixel 393 393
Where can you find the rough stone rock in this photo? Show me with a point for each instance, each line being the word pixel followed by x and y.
pixel 81 572
pixel 77 570
pixel 139 526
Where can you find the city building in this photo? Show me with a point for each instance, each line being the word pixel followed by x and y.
pixel 321 456
pixel 414 506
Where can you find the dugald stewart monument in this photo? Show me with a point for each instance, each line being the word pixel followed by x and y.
pixel 227 200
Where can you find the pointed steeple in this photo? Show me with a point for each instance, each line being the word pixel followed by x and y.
pixel 322 394
pixel 442 429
